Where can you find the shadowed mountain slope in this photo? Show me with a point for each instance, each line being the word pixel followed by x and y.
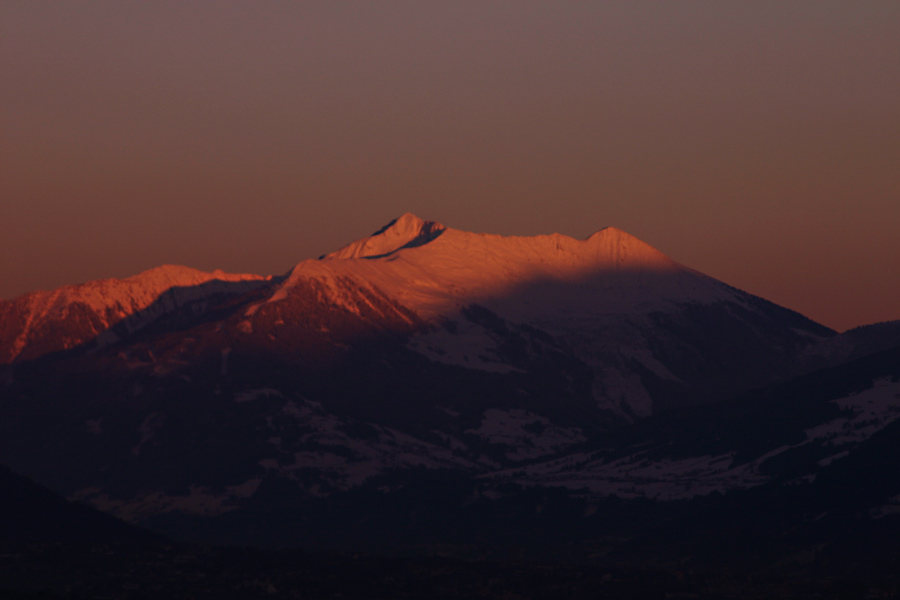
pixel 418 352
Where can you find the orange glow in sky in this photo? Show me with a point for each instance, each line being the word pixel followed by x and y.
pixel 757 142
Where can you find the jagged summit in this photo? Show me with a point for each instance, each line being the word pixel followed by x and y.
pixel 435 270
pixel 609 248
pixel 406 231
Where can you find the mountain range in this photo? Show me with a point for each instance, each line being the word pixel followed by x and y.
pixel 426 387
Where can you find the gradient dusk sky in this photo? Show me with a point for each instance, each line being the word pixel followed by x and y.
pixel 757 142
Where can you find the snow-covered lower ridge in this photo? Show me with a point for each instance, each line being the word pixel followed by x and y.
pixel 139 290
pixel 344 461
pixel 198 501
pixel 527 435
pixel 89 309
pixel 642 474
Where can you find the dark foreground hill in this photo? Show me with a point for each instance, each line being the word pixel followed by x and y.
pixel 84 555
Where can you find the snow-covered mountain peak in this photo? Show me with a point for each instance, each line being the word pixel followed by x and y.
pixel 434 270
pixel 406 231
pixel 608 249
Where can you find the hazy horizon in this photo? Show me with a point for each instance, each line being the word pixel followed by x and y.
pixel 758 143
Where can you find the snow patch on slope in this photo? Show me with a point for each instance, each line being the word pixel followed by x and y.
pixel 530 435
pixel 251 395
pixel 466 346
pixel 870 411
pixel 343 461
pixel 640 475
pixel 199 501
